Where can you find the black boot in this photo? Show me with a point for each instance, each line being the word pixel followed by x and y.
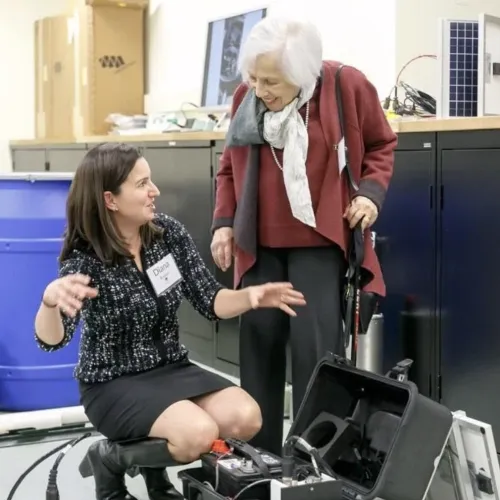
pixel 109 480
pixel 109 461
pixel 158 485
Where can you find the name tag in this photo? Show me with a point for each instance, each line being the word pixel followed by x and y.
pixel 164 275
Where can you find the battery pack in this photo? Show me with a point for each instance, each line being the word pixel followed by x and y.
pixel 232 472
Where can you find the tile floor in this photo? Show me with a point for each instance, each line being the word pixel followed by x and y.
pixel 14 460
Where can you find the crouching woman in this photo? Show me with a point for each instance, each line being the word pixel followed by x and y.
pixel 124 271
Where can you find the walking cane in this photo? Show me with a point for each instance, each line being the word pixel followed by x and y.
pixel 353 291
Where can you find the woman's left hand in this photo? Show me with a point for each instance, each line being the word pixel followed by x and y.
pixel 361 209
pixel 280 295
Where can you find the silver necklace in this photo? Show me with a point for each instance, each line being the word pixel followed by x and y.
pixel 306 124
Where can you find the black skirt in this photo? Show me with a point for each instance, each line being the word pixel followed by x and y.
pixel 127 407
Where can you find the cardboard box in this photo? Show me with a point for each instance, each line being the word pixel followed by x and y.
pixel 142 4
pixel 137 4
pixel 109 57
pixel 88 66
pixel 54 78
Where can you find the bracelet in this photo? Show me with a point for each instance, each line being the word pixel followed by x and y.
pixel 46 304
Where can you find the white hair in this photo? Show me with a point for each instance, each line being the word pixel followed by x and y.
pixel 297 45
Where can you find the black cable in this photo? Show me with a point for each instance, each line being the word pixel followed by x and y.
pixel 322 462
pixel 34 465
pixel 22 477
pixel 52 491
pixel 420 99
pixel 415 103
pixel 288 458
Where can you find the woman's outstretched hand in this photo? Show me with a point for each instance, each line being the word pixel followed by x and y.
pixel 280 295
pixel 68 293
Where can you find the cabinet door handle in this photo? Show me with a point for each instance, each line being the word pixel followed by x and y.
pixel 431 196
pixel 441 196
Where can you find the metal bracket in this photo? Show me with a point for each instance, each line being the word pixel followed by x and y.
pixel 401 370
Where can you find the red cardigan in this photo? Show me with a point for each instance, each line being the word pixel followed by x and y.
pixel 371 143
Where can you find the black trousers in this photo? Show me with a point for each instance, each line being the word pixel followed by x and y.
pixel 264 333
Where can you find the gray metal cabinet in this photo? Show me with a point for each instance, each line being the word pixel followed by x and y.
pixel 182 172
pixel 65 157
pixel 29 158
pixel 227 343
pixel 47 157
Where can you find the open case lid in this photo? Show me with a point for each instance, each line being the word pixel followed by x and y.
pixel 367 428
pixel 469 468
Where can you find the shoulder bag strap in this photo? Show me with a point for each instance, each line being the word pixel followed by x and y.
pixel 340 108
pixel 356 252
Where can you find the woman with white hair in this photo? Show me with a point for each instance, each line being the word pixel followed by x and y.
pixel 284 208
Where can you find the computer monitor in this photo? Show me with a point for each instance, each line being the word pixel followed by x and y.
pixel 224 41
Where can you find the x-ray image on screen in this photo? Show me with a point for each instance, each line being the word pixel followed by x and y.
pixel 224 42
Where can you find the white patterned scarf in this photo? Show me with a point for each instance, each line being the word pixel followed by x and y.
pixel 286 130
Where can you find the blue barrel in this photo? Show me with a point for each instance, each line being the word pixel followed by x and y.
pixel 32 222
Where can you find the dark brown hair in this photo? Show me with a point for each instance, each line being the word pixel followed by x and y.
pixel 89 223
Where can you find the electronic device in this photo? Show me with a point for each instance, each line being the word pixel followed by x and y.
pixel 225 38
pixel 234 468
pixel 346 442
pixel 353 446
pixel 308 469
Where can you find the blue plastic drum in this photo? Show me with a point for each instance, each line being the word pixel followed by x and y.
pixel 32 222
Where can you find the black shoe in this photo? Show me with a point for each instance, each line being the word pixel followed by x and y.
pixel 158 485
pixel 109 481
pixel 108 461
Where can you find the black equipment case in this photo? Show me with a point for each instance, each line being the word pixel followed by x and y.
pixel 381 438
pixel 379 435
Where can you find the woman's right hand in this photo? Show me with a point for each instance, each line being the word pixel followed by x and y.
pixel 68 293
pixel 222 247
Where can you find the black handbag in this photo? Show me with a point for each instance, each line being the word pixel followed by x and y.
pixel 358 306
